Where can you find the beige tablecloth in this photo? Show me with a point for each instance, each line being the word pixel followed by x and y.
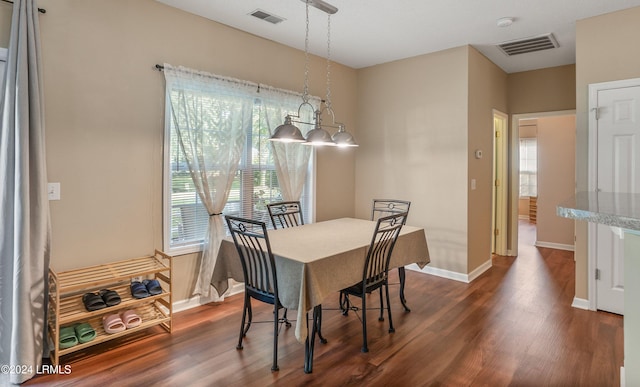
pixel 316 260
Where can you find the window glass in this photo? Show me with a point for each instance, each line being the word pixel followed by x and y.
pixel 528 167
pixel 255 185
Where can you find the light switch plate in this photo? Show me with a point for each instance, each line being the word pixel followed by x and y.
pixel 54 191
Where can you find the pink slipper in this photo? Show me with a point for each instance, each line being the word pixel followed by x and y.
pixel 130 318
pixel 113 323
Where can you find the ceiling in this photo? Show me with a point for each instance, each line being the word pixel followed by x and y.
pixel 369 32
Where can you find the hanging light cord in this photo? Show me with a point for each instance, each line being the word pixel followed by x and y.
pixel 328 101
pixel 305 91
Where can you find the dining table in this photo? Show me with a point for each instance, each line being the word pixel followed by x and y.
pixel 315 261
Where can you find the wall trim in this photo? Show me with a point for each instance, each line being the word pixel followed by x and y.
pixel 196 301
pixel 558 246
pixel 452 275
pixel 580 303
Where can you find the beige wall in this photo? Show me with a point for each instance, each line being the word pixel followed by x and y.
pixel 606 50
pixel 556 183
pixel 487 91
pixel 544 90
pixel 104 120
pixel 105 103
pixel 5 23
pixel 413 145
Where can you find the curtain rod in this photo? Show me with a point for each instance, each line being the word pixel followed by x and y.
pixel 41 10
pixel 258 86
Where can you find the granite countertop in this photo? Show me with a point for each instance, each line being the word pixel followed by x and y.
pixel 613 209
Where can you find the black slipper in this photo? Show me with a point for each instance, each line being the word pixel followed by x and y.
pixel 110 297
pixel 93 302
pixel 153 286
pixel 138 290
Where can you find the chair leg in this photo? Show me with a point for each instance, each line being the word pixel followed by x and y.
pixel 381 317
pixel 319 323
pixel 243 332
pixel 365 348
pixel 285 320
pixel 276 321
pixel 344 303
pixel 391 329
pixel 403 300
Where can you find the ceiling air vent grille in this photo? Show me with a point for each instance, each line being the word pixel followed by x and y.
pixel 260 14
pixel 533 44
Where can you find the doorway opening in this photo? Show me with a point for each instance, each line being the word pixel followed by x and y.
pixel 544 181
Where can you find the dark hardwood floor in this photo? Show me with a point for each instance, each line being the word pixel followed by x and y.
pixel 513 326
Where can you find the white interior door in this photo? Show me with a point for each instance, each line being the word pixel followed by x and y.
pixel 618 152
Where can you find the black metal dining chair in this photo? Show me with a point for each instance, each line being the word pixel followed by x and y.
pixel 375 273
pixel 260 281
pixel 384 207
pixel 285 214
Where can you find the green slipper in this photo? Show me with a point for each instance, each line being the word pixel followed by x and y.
pixel 84 332
pixel 68 337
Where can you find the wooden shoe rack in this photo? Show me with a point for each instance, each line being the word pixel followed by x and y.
pixel 67 288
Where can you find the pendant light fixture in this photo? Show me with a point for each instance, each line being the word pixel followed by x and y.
pixel 288 132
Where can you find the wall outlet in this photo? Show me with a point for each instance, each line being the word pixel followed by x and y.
pixel 53 190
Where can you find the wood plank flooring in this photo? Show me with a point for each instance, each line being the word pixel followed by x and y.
pixel 513 326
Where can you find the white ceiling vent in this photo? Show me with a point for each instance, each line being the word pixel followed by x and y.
pixel 266 16
pixel 532 44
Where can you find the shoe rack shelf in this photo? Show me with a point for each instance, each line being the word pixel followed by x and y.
pixel 67 288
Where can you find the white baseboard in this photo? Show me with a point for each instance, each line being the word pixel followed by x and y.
pixel 558 246
pixel 622 380
pixel 480 269
pixel 580 303
pixel 452 275
pixel 196 301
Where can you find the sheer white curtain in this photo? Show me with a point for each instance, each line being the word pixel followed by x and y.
pixel 291 159
pixel 24 209
pixel 210 115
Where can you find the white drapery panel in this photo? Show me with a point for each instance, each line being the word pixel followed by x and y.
pixel 291 159
pixel 24 208
pixel 211 132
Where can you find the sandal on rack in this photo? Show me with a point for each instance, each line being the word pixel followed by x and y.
pixel 110 297
pixel 130 318
pixel 67 337
pixel 84 332
pixel 138 290
pixel 113 323
pixel 93 302
pixel 153 286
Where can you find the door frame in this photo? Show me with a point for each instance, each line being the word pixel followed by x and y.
pixel 514 161
pixel 592 176
pixel 500 194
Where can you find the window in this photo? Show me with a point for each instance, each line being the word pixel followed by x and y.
pixel 528 167
pixel 254 186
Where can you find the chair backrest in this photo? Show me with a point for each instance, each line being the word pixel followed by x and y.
pixel 385 207
pixel 376 266
pixel 258 265
pixel 285 214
